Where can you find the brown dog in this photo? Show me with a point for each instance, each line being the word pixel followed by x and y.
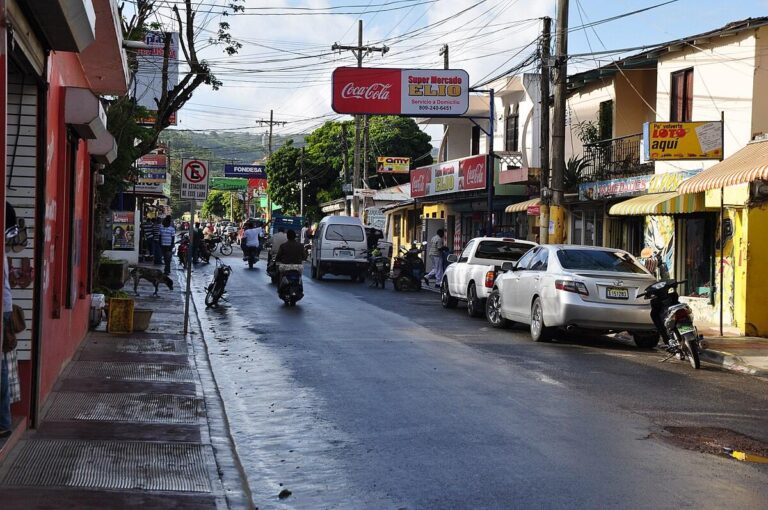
pixel 153 276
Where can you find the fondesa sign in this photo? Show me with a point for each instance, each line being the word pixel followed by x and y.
pixel 407 92
pixel 245 171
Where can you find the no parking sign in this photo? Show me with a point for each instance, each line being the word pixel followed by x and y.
pixel 194 179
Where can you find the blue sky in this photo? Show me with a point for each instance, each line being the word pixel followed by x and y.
pixel 484 40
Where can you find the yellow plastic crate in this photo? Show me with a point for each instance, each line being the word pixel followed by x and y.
pixel 120 319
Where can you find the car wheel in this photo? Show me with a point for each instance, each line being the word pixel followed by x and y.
pixel 474 305
pixel 539 331
pixel 645 339
pixel 446 299
pixel 493 311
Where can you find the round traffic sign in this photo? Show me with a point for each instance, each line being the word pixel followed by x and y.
pixel 195 171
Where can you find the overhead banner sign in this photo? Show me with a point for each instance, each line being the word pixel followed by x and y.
pixel 228 184
pixel 627 187
pixel 408 92
pixel 149 76
pixel 246 171
pixel 675 141
pixel 152 169
pixel 194 179
pixel 390 165
pixel 466 174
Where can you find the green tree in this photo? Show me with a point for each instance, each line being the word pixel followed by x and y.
pixel 399 137
pixel 215 205
pixel 283 169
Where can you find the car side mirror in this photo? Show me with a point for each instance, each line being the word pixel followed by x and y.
pixel 452 258
pixel 508 266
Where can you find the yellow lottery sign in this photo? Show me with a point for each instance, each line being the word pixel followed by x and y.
pixel 669 141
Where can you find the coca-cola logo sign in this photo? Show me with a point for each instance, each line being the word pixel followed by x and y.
pixel 420 179
pixel 472 172
pixel 379 91
pixel 465 174
pixel 409 92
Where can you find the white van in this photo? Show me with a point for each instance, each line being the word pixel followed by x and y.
pixel 339 247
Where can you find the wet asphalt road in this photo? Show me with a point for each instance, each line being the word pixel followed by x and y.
pixel 368 398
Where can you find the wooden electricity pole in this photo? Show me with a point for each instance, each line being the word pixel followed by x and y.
pixel 271 122
pixel 556 210
pixel 546 33
pixel 359 52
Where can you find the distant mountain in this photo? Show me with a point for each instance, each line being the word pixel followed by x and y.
pixel 222 147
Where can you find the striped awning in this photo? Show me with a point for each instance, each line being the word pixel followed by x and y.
pixel 672 202
pixel 747 165
pixel 522 206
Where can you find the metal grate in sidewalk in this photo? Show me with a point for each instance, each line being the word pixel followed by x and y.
pixel 111 465
pixel 126 407
pixel 129 371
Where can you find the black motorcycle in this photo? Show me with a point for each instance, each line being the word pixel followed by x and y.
pixel 674 321
pixel 291 288
pixel 378 268
pixel 218 284
pixel 408 269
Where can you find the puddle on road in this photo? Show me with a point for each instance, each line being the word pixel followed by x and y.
pixel 712 440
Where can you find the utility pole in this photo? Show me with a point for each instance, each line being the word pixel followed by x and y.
pixel 359 52
pixel 345 164
pixel 556 210
pixel 444 141
pixel 365 151
pixel 271 122
pixel 546 34
pixel 301 185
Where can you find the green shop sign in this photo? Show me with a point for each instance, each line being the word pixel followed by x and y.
pixel 228 184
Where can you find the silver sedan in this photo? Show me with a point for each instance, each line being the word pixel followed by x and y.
pixel 573 287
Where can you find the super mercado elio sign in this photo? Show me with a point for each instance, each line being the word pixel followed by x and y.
pixel 408 92
pixel 464 174
pixel 674 141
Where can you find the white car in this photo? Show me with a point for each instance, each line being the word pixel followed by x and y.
pixel 470 277
pixel 574 287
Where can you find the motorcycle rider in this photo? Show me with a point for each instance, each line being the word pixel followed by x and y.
pixel 291 251
pixel 251 239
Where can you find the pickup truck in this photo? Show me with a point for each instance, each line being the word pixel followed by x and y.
pixel 470 276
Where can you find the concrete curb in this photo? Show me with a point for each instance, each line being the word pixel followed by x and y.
pixel 732 362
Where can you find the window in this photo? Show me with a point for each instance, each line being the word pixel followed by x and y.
pixel 467 250
pixel 598 260
pixel 540 261
pixel 605 122
pixel 697 255
pixel 587 227
pixel 512 128
pixel 344 233
pixel 475 148
pixel 501 250
pixel 682 96
pixel 526 259
pixel 396 226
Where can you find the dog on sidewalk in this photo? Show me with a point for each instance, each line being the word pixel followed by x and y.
pixel 152 275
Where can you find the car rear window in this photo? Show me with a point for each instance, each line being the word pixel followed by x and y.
pixel 501 250
pixel 344 233
pixel 598 260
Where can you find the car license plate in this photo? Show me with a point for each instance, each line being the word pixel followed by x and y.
pixel 346 253
pixel 617 293
pixel 379 265
pixel 683 329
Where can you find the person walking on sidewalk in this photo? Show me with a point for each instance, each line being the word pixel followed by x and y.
pixel 435 253
pixel 157 250
pixel 10 390
pixel 167 237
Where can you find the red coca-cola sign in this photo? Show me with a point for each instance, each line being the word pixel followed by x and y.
pixel 366 90
pixel 420 180
pixel 472 173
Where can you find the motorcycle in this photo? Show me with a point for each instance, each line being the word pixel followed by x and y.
pixel 272 271
pixel 182 251
pixel 674 322
pixel 408 269
pixel 217 286
pixel 378 268
pixel 252 255
pixel 291 287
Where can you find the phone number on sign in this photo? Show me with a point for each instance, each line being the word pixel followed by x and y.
pixel 435 107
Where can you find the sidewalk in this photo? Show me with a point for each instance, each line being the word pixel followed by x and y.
pixel 134 421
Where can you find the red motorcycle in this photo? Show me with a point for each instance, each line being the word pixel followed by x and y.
pixel 182 250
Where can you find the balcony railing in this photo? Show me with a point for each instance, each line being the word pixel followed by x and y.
pixel 614 159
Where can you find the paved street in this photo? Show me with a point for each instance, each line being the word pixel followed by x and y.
pixel 368 398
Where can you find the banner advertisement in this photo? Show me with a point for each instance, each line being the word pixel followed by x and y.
pixel 390 165
pixel 149 79
pixel 123 230
pixel 152 169
pixel 228 184
pixel 466 174
pixel 407 92
pixel 259 186
pixel 246 171
pixel 613 188
pixel 675 141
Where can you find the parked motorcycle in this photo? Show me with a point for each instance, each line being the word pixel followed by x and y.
pixel 291 287
pixel 218 284
pixel 408 269
pixel 378 268
pixel 674 322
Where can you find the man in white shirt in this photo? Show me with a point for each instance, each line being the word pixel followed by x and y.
pixel 304 236
pixel 435 252
pixel 251 237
